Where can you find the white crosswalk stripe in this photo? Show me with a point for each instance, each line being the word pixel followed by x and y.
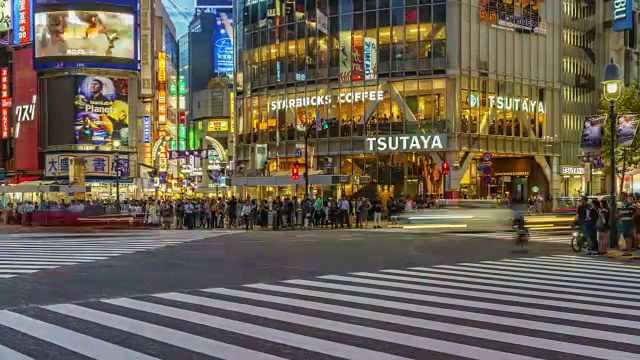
pixel 534 236
pixel 549 307
pixel 22 254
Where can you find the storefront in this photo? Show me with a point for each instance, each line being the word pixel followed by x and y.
pixel 98 171
pixel 573 181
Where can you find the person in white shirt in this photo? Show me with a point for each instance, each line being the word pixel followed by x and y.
pixel 246 214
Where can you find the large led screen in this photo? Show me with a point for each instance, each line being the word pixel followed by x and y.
pixel 102 108
pixel 85 38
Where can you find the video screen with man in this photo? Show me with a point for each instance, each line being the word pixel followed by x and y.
pixel 101 37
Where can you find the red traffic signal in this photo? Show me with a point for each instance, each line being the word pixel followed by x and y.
pixel 445 168
pixel 295 174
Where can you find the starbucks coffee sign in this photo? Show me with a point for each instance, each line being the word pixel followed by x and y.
pixel 401 143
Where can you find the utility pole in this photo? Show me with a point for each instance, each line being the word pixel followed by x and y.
pixel 307 133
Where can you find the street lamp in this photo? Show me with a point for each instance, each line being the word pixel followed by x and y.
pixel 117 141
pixel 612 86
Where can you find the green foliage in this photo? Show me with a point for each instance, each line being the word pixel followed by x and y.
pixel 628 157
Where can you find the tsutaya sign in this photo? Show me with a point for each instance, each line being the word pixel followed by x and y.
pixel 319 100
pixel 433 142
pixel 516 104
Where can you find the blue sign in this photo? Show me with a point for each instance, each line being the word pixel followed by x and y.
pixel 22 26
pixel 622 15
pixel 480 167
pixel 486 180
pixel 146 129
pixel 486 170
pixel 223 43
pixel 298 153
pixel 218 4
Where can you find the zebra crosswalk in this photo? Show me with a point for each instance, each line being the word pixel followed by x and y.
pixel 549 307
pixel 22 254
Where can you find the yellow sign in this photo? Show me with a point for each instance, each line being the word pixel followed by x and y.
pixel 218 125
pixel 162 88
pixel 162 66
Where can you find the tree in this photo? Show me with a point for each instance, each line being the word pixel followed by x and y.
pixel 627 157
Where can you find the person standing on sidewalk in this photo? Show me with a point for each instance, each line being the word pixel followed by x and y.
pixel 590 228
pixel 343 205
pixel 603 227
pixel 627 214
pixel 377 213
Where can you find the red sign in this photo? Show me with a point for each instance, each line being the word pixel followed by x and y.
pixel 24 110
pixel 4 94
pixel 24 24
pixel 183 118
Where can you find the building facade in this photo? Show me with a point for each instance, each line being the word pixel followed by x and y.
pixel 393 88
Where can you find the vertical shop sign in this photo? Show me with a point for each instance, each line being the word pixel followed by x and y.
pixel 183 118
pixel 162 88
pixel 4 89
pixel 146 130
pixel 163 161
pixel 22 15
pixel 146 52
pixel 370 58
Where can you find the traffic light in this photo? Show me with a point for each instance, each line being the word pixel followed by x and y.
pixel 295 173
pixel 329 122
pixel 445 168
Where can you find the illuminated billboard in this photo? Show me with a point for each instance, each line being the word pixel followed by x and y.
pixel 102 108
pixel 223 43
pixel 21 24
pixel 25 112
pixel 80 34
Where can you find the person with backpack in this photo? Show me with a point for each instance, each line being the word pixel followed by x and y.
pixel 602 225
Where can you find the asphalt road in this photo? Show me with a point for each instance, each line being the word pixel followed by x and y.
pixel 323 295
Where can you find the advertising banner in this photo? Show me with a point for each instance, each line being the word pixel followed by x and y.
pixel 223 43
pixel 370 58
pixel 146 131
pixel 102 108
pixel 345 56
pixel 5 15
pixel 96 165
pixel 162 88
pixel 592 131
pixel 22 19
pixel 322 21
pixel 626 127
pixel 25 115
pixel 146 49
pixel 83 34
pixel 522 15
pixel 4 91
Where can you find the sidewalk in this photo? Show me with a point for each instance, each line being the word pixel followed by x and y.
pixel 15 229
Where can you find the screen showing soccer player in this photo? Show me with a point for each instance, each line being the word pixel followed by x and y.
pixel 102 109
pixel 84 36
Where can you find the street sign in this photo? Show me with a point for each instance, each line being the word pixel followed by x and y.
pixel 486 157
pixel 298 153
pixel 486 180
pixel 480 167
pixel 486 170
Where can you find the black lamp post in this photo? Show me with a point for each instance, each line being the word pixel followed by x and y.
pixel 117 141
pixel 612 86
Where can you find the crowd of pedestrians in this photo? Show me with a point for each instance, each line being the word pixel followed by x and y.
pixel 594 220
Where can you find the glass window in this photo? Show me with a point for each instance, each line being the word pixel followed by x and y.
pixel 346 6
pixel 398 34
